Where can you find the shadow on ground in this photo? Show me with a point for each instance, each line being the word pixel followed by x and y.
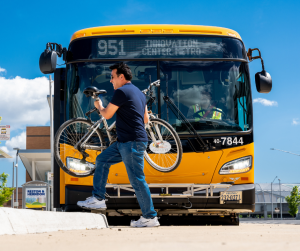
pixel 178 220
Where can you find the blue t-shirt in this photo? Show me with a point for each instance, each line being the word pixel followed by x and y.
pixel 130 115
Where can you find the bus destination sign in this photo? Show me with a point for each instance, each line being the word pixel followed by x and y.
pixel 155 47
pixel 159 48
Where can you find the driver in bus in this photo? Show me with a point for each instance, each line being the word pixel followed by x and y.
pixel 205 108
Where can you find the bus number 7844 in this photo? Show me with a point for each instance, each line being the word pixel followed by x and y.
pixel 228 141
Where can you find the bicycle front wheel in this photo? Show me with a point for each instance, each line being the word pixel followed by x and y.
pixel 70 159
pixel 164 150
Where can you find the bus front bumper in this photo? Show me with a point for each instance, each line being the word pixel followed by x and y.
pixel 171 199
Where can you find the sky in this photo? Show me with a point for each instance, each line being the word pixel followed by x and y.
pixel 271 26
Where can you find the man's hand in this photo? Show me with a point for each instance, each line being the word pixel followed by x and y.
pixel 98 104
pixel 107 112
pixel 146 115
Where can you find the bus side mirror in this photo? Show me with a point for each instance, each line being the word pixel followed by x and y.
pixel 263 82
pixel 48 58
pixel 263 79
pixel 48 61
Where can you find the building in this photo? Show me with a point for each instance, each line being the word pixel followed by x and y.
pixel 36 157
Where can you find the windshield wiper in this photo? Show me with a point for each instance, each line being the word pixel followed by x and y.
pixel 181 117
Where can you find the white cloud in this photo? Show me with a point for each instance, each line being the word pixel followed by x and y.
pixel 265 102
pixel 24 102
pixel 2 70
pixel 17 141
pixel 295 122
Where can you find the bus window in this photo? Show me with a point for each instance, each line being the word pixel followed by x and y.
pixel 213 95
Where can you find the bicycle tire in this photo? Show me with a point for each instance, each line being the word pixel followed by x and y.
pixel 66 137
pixel 170 158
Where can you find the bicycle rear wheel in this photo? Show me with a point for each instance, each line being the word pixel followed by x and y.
pixel 70 159
pixel 165 153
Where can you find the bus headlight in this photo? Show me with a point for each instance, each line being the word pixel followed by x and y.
pixel 241 165
pixel 76 166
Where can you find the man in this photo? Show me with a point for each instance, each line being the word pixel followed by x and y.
pixel 206 108
pixel 129 103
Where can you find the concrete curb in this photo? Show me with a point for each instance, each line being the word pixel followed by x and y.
pixel 270 221
pixel 26 221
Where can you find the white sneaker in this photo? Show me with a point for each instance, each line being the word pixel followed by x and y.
pixel 143 222
pixel 92 203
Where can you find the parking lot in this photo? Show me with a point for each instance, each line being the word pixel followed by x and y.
pixel 250 235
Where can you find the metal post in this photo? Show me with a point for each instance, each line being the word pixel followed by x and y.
pixel 272 197
pixel 280 200
pixel 51 140
pixel 48 197
pixel 17 189
pixel 13 186
pixel 17 154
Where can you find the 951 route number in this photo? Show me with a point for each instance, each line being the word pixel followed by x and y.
pixel 229 141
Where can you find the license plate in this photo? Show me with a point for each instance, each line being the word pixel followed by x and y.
pixel 231 197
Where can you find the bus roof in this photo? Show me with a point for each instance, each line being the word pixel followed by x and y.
pixel 154 29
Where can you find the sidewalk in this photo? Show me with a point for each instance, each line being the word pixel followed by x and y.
pixel 246 237
pixel 26 221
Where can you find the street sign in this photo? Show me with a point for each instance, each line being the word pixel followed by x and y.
pixel 35 197
pixel 5 132
pixel 50 176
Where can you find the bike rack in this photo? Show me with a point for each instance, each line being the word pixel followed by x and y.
pixel 189 193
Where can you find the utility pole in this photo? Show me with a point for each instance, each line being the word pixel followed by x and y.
pixel 17 189
pixel 279 179
pixel 272 196
pixel 280 200
pixel 13 186
pixel 51 142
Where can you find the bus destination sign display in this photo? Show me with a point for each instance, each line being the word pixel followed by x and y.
pixel 159 48
pixel 155 47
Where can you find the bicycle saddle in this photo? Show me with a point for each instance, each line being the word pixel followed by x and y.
pixel 92 90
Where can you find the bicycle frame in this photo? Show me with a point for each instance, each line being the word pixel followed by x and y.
pixel 86 137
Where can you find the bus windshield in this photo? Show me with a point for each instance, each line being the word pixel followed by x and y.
pixel 214 96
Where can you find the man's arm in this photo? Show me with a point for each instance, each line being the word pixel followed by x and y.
pixel 107 112
pixel 146 116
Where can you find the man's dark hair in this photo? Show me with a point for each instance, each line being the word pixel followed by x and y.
pixel 122 69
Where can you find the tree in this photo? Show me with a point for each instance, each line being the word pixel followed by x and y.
pixel 294 201
pixel 5 192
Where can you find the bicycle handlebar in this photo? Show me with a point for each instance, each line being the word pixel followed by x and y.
pixel 155 83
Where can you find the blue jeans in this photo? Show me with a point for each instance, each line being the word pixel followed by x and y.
pixel 132 154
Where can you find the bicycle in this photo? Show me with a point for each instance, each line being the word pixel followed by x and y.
pixel 78 141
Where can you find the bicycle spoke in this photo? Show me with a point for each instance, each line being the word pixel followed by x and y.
pixel 68 137
pixel 162 161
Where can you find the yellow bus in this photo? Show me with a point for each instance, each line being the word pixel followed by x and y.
pixel 204 71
